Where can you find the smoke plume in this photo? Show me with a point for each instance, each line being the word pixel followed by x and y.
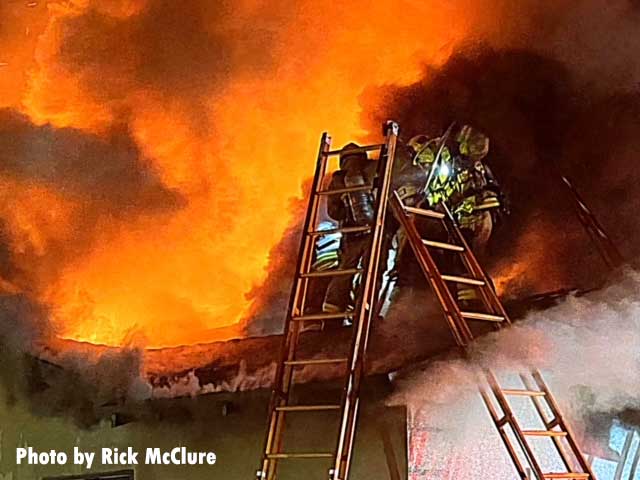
pixel 542 122
pixel 587 349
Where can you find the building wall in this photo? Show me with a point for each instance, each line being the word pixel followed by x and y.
pixel 231 425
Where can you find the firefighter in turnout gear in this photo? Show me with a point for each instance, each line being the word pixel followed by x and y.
pixel 353 209
pixel 459 177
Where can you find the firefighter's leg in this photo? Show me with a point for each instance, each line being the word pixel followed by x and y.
pixel 386 277
pixel 338 293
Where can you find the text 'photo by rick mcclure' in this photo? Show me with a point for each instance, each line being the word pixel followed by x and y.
pixel 333 240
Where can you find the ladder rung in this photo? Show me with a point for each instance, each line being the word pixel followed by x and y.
pixel 316 361
pixel 423 212
pixel 333 231
pixel 574 476
pixel 553 423
pixel 323 316
pixel 524 393
pixel 543 433
pixel 366 148
pixel 444 246
pixel 482 316
pixel 468 281
pixel 299 455
pixel 307 408
pixel 331 273
pixel 502 422
pixel 345 190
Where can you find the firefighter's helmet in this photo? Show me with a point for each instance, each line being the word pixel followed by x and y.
pixel 472 142
pixel 423 154
pixel 418 142
pixel 352 151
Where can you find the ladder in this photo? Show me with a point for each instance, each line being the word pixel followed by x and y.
pixel 475 276
pixel 494 312
pixel 607 249
pixel 280 405
pixel 555 428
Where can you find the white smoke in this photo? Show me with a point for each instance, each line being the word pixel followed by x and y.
pixel 190 385
pixel 588 349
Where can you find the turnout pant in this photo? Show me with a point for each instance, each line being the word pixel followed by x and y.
pixel 338 294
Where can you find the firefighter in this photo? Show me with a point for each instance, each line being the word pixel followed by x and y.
pixel 353 209
pixel 459 177
pixel 408 177
pixel 477 202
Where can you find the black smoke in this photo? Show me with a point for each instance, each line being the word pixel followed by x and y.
pixel 180 52
pixel 542 123
pixel 108 172
pixel 106 179
pixel 83 388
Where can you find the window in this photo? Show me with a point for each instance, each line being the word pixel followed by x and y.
pixel 625 447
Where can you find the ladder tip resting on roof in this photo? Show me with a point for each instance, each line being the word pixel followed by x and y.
pixel 457 318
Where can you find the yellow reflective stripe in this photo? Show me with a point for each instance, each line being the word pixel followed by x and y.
pixel 330 308
pixel 485 205
pixel 467 294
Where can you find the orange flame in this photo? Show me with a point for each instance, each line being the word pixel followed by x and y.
pixel 180 278
pixel 533 271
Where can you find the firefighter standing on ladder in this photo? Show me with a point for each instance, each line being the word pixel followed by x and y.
pixel 353 209
pixel 458 176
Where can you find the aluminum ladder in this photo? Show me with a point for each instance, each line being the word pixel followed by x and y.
pixel 347 409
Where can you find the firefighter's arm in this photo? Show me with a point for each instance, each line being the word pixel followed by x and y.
pixel 494 186
pixel 335 205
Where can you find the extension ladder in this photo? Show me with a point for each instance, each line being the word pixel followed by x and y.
pixel 361 317
pixel 458 320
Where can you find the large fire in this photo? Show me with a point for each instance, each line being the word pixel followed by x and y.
pixel 236 150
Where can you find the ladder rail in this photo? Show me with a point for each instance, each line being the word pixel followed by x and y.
pixel 430 270
pixel 503 434
pixel 549 424
pixel 606 247
pixel 284 372
pixel 365 308
pixel 555 409
pixel 488 293
pixel 509 418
